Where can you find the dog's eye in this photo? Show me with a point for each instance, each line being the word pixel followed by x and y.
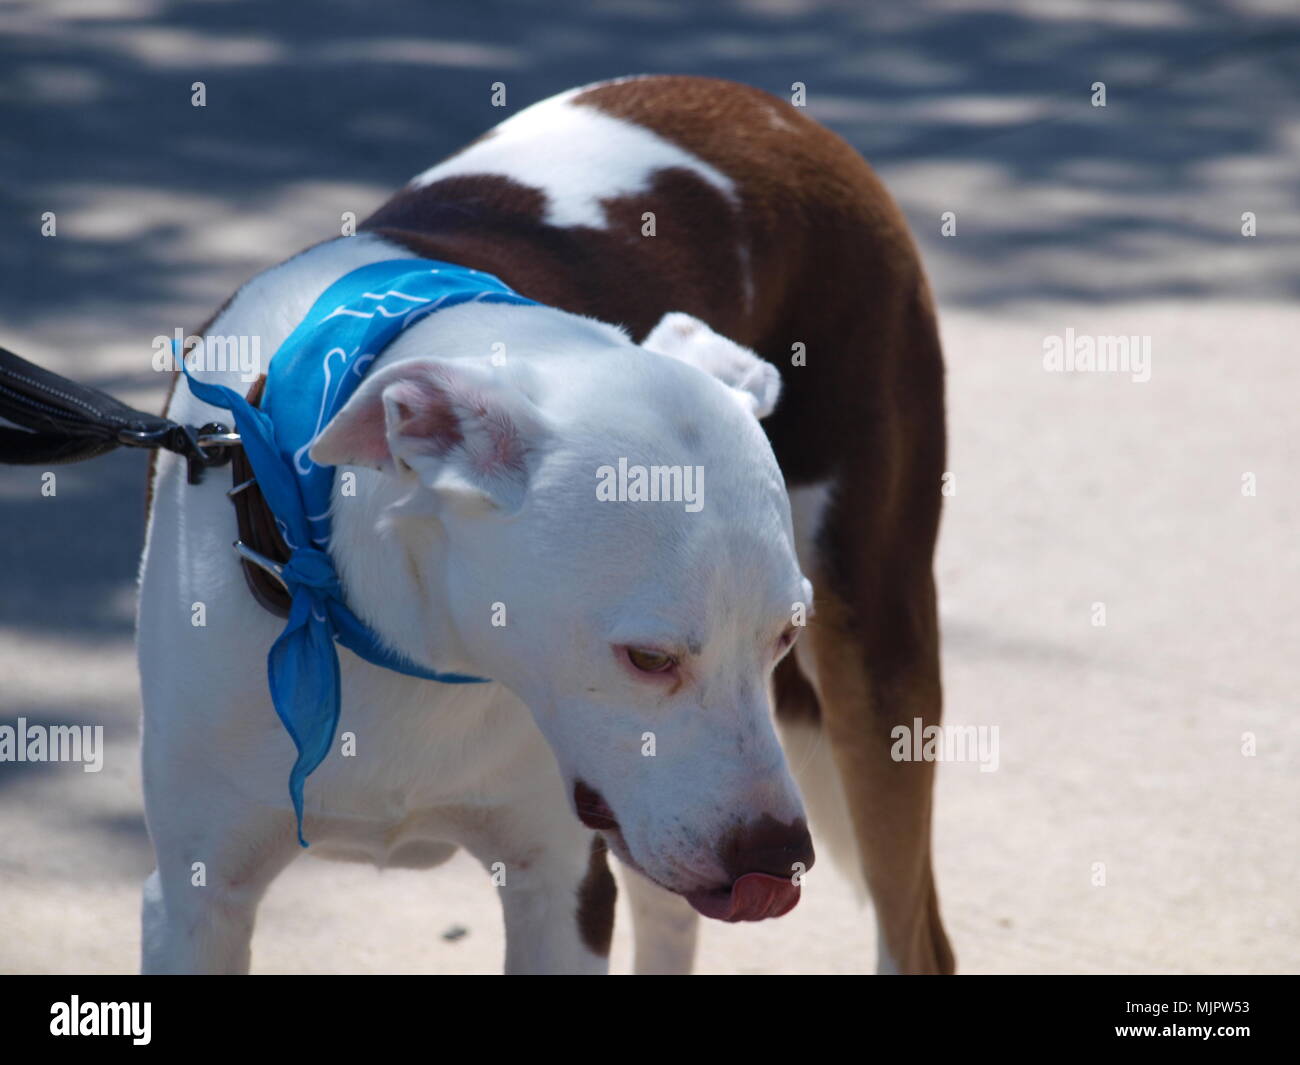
pixel 787 638
pixel 650 661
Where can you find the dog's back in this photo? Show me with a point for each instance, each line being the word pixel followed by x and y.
pixel 629 199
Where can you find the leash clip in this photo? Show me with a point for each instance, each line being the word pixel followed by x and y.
pixel 210 445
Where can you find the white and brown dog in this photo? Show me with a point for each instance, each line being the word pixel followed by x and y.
pixel 670 227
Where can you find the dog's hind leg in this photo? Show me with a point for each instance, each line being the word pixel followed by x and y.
pixel 871 656
pixel 868 428
pixel 664 926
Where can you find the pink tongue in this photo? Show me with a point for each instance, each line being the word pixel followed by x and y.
pixel 754 897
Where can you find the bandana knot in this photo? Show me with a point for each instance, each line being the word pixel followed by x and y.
pixel 309 567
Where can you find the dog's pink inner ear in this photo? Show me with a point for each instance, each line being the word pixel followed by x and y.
pixel 421 413
pixel 411 412
pixel 412 406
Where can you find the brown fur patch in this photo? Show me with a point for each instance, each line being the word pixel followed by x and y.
pixel 596 896
pixel 794 699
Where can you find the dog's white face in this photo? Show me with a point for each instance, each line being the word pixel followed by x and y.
pixel 641 631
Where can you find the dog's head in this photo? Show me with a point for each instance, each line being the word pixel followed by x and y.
pixel 607 530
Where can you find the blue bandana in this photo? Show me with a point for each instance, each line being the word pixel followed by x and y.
pixel 312 375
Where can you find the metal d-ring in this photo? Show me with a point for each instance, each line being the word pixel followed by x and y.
pixel 241 487
pixel 275 569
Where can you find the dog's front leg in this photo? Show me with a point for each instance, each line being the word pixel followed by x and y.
pixel 557 892
pixel 665 927
pixel 200 903
pixel 216 850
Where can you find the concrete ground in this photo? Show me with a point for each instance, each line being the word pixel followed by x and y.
pixel 1120 744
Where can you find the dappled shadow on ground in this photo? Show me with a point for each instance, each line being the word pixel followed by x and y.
pixel 360 96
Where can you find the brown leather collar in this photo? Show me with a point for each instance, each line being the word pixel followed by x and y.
pixel 257 528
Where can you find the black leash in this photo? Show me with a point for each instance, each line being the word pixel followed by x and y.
pixel 62 421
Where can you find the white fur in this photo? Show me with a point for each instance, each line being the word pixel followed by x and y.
pixel 808 506
pixel 577 156
pixel 756 384
pixel 425 550
pixel 807 746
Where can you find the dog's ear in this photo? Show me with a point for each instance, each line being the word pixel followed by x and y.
pixel 757 383
pixel 461 428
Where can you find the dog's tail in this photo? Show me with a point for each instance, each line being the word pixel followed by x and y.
pixel 808 751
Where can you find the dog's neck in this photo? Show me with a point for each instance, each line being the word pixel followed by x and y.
pixel 390 568
pixel 389 547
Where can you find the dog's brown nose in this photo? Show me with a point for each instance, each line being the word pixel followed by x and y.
pixel 762 860
pixel 768 846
